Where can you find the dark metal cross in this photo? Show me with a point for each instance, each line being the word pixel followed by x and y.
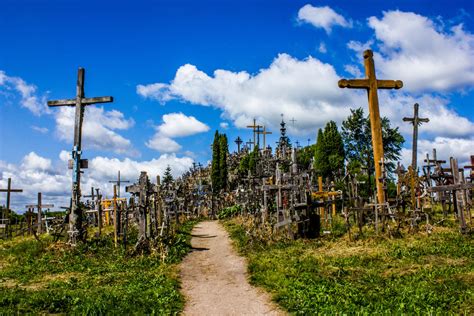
pixel 40 206
pixel 80 102
pixel 416 121
pixel 118 181
pixel 372 84
pixel 238 141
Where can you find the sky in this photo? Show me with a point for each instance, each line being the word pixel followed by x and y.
pixel 180 70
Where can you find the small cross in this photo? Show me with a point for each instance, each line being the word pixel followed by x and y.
pixel 416 121
pixel 372 84
pixel 118 181
pixel 238 141
pixel 39 206
pixel 293 122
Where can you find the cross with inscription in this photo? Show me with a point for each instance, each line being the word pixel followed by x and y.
pixel 372 84
pixel 416 121
pixel 80 102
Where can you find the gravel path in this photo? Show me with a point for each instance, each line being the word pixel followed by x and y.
pixel 214 278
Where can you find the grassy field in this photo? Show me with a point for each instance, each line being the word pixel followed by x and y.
pixel 93 278
pixel 416 274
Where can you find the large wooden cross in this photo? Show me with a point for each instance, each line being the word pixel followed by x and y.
pixel 254 127
pixel 118 181
pixel 416 121
pixel 264 133
pixel 40 206
pixel 372 84
pixel 80 102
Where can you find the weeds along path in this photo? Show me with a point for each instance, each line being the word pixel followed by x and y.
pixel 214 277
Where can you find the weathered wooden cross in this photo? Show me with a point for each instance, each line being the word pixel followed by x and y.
pixel 118 181
pixel 416 121
pixel 80 102
pixel 8 190
pixel 372 84
pixel 40 206
pixel 254 127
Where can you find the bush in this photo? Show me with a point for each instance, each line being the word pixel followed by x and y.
pixel 229 212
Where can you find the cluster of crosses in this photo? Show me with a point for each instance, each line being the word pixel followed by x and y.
pixel 277 191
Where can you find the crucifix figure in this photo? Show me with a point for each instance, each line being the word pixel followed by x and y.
pixel 40 206
pixel 118 181
pixel 264 133
pixel 238 141
pixel 372 84
pixel 80 102
pixel 416 121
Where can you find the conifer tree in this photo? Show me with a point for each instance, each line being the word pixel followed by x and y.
pixel 223 154
pixel 215 166
pixel 167 177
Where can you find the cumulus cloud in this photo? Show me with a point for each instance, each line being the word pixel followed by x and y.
pixel 322 17
pixel 39 174
pixel 174 125
pixel 302 89
pixel 98 130
pixel 417 50
pixel 224 125
pixel 27 93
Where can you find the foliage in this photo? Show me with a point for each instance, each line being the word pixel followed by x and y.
pixel 229 212
pixel 167 177
pixel 219 168
pixel 93 278
pixel 419 274
pixel 329 154
pixel 357 137
pixel 305 156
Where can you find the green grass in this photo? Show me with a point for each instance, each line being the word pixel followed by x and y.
pixel 417 274
pixel 93 278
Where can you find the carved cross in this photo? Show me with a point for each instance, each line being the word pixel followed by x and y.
pixel 416 121
pixel 80 102
pixel 372 84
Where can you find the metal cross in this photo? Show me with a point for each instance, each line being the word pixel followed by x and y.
pixel 118 181
pixel 372 84
pixel 416 121
pixel 80 102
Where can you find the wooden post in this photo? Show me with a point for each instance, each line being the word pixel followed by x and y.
pixel 416 121
pixel 321 208
pixel 115 215
pixel 371 84
pixel 76 231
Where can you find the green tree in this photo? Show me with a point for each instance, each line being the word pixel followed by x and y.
pixel 215 166
pixel 167 177
pixel 223 154
pixel 304 156
pixel 329 153
pixel 357 137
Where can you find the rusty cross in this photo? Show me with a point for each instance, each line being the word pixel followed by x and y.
pixel 80 102
pixel 372 84
pixel 118 181
pixel 238 141
pixel 416 121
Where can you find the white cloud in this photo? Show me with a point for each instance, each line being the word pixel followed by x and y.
pixel 304 89
pixel 98 130
pixel 224 125
pixel 322 48
pixel 180 125
pixel 27 92
pixel 42 130
pixel 38 174
pixel 154 90
pixel 174 125
pixel 414 49
pixel 322 17
pixel 163 144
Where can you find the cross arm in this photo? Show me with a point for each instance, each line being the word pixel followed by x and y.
pixel 11 190
pixel 389 84
pixel 354 83
pixel 84 101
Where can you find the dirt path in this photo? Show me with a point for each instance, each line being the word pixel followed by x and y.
pixel 214 278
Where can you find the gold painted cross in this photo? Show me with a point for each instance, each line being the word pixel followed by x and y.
pixel 372 84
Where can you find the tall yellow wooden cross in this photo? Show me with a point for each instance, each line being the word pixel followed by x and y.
pixel 371 84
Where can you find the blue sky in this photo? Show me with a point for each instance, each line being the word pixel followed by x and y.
pixel 159 60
